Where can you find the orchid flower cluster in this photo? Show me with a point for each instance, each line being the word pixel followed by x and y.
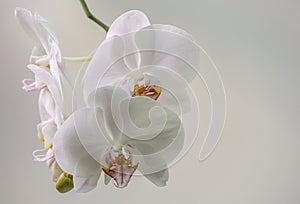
pixel 134 90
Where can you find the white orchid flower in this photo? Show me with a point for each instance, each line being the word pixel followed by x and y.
pixel 158 61
pixel 121 58
pixel 45 54
pixel 100 137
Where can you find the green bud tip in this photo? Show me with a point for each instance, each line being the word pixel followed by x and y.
pixel 64 183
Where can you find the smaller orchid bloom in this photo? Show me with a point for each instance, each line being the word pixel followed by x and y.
pixel 45 54
pixel 119 135
pixel 145 59
pixel 45 61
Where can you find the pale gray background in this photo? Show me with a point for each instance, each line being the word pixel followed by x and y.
pixel 255 44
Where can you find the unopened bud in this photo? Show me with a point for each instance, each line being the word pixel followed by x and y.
pixel 64 183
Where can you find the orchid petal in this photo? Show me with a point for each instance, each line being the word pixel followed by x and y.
pixel 47 130
pixel 42 155
pixel 45 28
pixel 169 28
pixel 143 118
pixel 151 119
pixel 78 132
pixel 67 94
pixel 44 76
pixel 104 98
pixel 167 49
pixel 158 153
pixel 128 22
pixel 46 105
pixel 83 185
pixel 106 66
pixel 53 62
pixel 25 19
pixel 32 85
pixel 38 29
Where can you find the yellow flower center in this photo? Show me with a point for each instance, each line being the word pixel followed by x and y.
pixel 151 91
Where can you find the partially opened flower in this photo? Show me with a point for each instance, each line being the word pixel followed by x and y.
pixel 154 60
pixel 118 134
pixel 45 54
pixel 45 60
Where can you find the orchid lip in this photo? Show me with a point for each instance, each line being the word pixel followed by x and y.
pixel 40 157
pixel 40 61
pixel 119 166
pixel 151 91
pixel 31 85
pixel 146 85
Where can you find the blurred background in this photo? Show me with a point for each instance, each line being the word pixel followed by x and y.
pixel 255 44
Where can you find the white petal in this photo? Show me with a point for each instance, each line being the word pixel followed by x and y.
pixel 45 28
pixel 148 119
pixel 128 22
pixel 38 29
pixel 170 50
pixel 48 131
pixel 46 105
pixel 83 185
pixel 53 62
pixel 169 28
pixel 157 154
pixel 107 99
pixel 76 140
pixel 143 118
pixel 26 20
pixel 44 76
pixel 71 154
pixel 106 66
pixel 67 94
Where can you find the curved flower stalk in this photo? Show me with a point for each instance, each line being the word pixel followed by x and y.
pixel 45 62
pixel 91 141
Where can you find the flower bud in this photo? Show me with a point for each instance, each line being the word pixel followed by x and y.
pixel 64 183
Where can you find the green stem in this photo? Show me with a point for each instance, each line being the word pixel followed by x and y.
pixel 78 59
pixel 92 17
